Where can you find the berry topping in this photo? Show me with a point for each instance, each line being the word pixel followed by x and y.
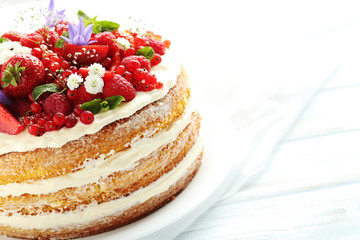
pixel 109 39
pixel 87 117
pixel 119 86
pixel 8 123
pixel 21 74
pixel 58 103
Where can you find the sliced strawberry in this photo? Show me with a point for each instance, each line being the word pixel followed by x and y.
pixel 31 40
pixel 109 39
pixel 13 36
pixel 8 123
pixel 84 55
pixel 84 72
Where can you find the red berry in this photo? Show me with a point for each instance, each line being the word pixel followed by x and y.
pixel 78 110
pixel 119 86
pixel 158 46
pixel 35 107
pixel 70 121
pixel 138 41
pixel 50 126
pixel 20 107
pixel 55 58
pixel 129 52
pixel 27 120
pixel 36 52
pixel 128 76
pixel 148 87
pixel 87 117
pixel 83 96
pixel 13 36
pixel 133 65
pixel 71 94
pixel 49 116
pixel 34 129
pixel 120 70
pixel 54 66
pixel 150 79
pixel 59 119
pixel 158 85
pixel 31 40
pixel 156 59
pixel 41 122
pixel 109 39
pixel 65 64
pixel 139 74
pixel 144 63
pixel 106 63
pixel 66 74
pixel 57 102
pixel 46 62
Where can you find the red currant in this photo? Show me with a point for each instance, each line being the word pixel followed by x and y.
pixel 78 110
pixel 35 107
pixel 34 129
pixel 148 87
pixel 150 79
pixel 59 119
pixel 46 62
pixel 50 126
pixel 54 66
pixel 71 94
pixel 106 63
pixel 71 121
pixel 158 85
pixel 27 120
pixel 140 73
pixel 120 70
pixel 129 52
pixel 55 58
pixel 156 59
pixel 128 76
pixel 87 117
pixel 66 73
pixel 36 52
pixel 65 64
pixel 41 122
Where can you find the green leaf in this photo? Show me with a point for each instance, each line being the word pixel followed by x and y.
pixel 60 42
pixel 39 90
pixel 114 101
pixel 147 52
pixel 3 40
pixel 81 14
pixel 93 106
pixel 99 26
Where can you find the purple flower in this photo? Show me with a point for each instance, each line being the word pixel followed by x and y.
pixel 53 17
pixel 80 35
pixel 4 100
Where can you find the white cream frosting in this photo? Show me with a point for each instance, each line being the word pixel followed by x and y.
pixel 166 72
pixel 105 209
pixel 102 166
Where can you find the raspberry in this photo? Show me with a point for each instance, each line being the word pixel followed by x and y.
pixel 57 102
pixel 119 86
pixel 144 63
pixel 83 96
pixel 158 46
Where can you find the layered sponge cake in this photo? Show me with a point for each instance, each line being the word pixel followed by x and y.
pixel 105 140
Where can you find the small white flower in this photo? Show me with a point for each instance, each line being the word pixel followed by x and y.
pixel 9 49
pixel 96 69
pixel 123 43
pixel 74 81
pixel 94 84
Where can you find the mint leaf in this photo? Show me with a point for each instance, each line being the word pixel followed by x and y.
pixel 114 101
pixel 50 87
pixel 83 15
pixel 93 106
pixel 3 40
pixel 99 26
pixel 147 52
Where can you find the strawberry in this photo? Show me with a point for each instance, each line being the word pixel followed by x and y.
pixel 109 39
pixel 13 36
pixel 119 86
pixel 58 103
pixel 84 55
pixel 21 74
pixel 83 96
pixel 50 37
pixel 31 40
pixel 108 75
pixel 144 63
pixel 8 123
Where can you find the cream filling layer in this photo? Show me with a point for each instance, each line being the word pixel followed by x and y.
pixel 104 165
pixel 95 212
pixel 167 72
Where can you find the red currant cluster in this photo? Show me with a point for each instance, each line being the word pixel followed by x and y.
pixel 41 122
